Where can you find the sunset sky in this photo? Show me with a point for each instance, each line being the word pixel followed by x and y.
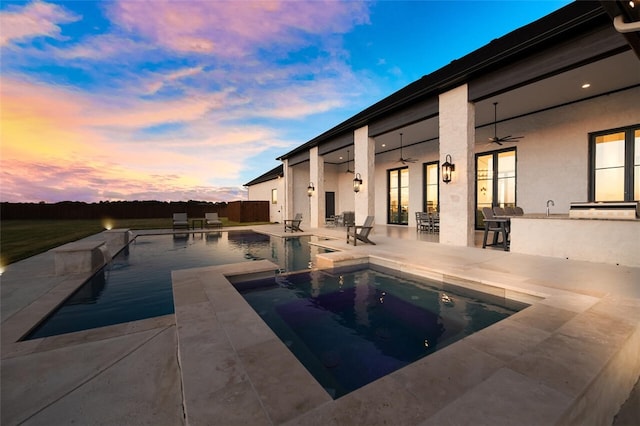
pixel 179 100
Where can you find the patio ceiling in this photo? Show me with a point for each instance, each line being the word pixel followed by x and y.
pixel 604 76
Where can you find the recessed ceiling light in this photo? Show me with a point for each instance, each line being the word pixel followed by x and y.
pixel 632 4
pixel 586 85
pixel 384 144
pixel 341 158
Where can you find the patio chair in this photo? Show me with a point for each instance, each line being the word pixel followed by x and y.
pixel 497 226
pixel 509 211
pixel 348 218
pixel 293 224
pixel 180 220
pixel 434 219
pixel 422 221
pixel 361 232
pixel 518 211
pixel 499 211
pixel 330 222
pixel 212 220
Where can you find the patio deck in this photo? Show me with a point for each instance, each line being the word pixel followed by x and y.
pixel 572 354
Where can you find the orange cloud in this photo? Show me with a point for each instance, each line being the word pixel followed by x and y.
pixel 57 142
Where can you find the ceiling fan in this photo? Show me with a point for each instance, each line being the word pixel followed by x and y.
pixel 348 162
pixel 495 138
pixel 402 159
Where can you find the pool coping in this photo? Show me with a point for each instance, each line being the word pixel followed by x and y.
pixel 535 367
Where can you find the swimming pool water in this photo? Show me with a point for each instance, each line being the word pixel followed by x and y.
pixel 137 283
pixel 351 329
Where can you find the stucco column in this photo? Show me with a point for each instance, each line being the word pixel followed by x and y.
pixel 457 138
pixel 364 163
pixel 316 201
pixel 288 189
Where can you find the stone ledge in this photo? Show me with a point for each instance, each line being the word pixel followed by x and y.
pixel 80 257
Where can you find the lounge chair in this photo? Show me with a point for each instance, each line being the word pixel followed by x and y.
pixel 212 220
pixel 361 232
pixel 180 221
pixel 293 224
pixel 497 226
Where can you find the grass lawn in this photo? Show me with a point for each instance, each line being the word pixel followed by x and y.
pixel 20 239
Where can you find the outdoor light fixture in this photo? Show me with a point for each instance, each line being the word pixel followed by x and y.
pixel 447 169
pixel 357 182
pixel 310 189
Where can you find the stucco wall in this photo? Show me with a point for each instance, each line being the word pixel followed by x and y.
pixel 300 175
pixel 262 192
pixel 552 159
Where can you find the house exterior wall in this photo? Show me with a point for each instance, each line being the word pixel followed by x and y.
pixel 345 197
pixel 262 192
pixel 553 158
pixel 301 203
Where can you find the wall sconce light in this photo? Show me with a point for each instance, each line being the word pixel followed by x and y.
pixel 447 169
pixel 357 182
pixel 310 189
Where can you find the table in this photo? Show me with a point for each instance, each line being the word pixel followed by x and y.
pixel 200 221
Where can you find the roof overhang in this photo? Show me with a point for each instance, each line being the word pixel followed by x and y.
pixel 626 20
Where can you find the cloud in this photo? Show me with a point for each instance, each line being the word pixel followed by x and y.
pixel 37 19
pixel 150 115
pixel 232 28
pixel 59 143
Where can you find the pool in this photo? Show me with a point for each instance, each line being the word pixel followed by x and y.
pixel 352 328
pixel 137 283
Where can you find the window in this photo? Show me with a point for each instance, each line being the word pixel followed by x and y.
pixel 614 158
pixel 495 181
pixel 398 202
pixel 431 176
pixel 274 196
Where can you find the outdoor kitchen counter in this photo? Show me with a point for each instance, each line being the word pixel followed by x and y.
pixel 557 235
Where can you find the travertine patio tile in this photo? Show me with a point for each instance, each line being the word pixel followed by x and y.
pixel 443 376
pixel 284 386
pixel 189 292
pixel 384 401
pixel 543 317
pixel 245 328
pixel 506 398
pixel 623 308
pixel 564 363
pixel 235 404
pixel 507 339
pixel 35 381
pixel 599 328
pixel 571 301
pixel 111 397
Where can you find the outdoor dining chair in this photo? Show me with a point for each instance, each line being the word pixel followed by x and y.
pixel 499 226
